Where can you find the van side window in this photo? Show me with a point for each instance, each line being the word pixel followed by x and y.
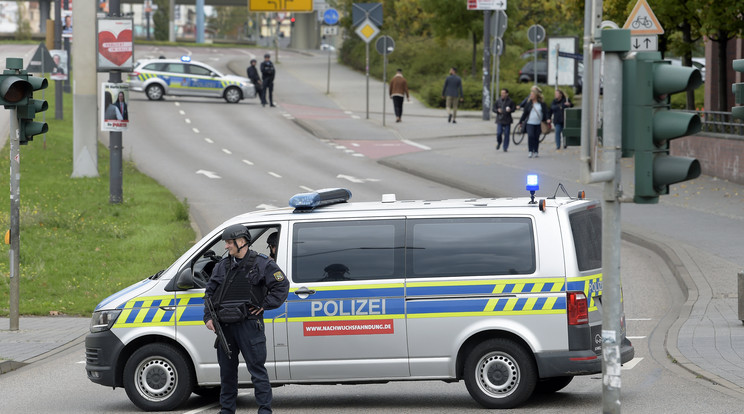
pixel 470 247
pixel 347 250
pixel 586 227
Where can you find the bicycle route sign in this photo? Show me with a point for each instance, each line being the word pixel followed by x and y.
pixel 644 27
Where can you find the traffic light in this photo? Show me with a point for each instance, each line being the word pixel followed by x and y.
pixel 291 21
pixel 27 127
pixel 14 89
pixel 572 129
pixel 649 124
pixel 738 90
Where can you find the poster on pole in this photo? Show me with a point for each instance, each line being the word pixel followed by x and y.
pixel 114 106
pixel 566 67
pixel 59 68
pixel 115 44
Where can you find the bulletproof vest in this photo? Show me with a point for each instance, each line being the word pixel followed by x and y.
pixel 237 285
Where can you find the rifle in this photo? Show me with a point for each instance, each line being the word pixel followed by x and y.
pixel 217 327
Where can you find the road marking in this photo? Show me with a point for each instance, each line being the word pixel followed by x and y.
pixel 266 207
pixel 188 121
pixel 415 144
pixel 209 140
pixel 308 189
pixel 636 337
pixel 247 162
pixel 177 103
pixel 631 364
pixel 273 174
pixel 226 151
pixel 196 131
pixel 209 174
pixel 638 319
pixel 213 405
pixel 182 112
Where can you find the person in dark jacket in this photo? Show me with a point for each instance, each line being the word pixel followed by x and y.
pixel 256 80
pixel 559 104
pixel 503 107
pixel 451 91
pixel 252 283
pixel 535 112
pixel 268 72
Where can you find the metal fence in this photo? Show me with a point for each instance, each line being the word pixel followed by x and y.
pixel 720 123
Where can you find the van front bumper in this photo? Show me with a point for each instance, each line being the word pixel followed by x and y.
pixel 560 364
pixel 102 349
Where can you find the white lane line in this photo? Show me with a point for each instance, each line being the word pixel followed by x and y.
pixel 638 319
pixel 273 174
pixel 417 145
pixel 226 151
pixel 209 140
pixel 177 103
pixel 182 112
pixel 636 337
pixel 188 121
pixel 247 162
pixel 631 364
pixel 266 207
pixel 196 131
pixel 209 174
pixel 306 188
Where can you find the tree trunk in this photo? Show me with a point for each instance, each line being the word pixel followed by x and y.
pixel 474 71
pixel 722 41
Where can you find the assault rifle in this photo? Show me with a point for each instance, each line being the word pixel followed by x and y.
pixel 217 327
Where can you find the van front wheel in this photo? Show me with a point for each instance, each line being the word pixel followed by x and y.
pixel 499 373
pixel 157 377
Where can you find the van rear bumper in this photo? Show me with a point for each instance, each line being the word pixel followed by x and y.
pixel 102 349
pixel 559 364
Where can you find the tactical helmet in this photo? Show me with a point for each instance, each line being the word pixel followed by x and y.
pixel 236 231
pixel 273 239
pixel 267 55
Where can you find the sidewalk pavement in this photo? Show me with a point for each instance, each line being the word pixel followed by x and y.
pixel 706 337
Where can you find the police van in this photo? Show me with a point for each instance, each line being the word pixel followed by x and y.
pixel 502 293
pixel 184 77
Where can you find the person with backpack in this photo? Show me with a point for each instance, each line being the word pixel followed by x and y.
pixel 268 71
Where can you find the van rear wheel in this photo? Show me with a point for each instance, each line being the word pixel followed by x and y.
pixel 157 377
pixel 499 373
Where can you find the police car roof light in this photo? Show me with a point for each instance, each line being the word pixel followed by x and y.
pixel 185 58
pixel 318 198
pixel 532 182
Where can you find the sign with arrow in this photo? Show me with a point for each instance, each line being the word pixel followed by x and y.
pixel 486 4
pixel 644 43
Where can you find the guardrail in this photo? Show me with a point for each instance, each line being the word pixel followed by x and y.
pixel 720 123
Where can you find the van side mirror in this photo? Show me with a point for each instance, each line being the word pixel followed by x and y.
pixel 186 279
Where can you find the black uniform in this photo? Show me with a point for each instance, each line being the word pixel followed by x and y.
pixel 265 285
pixel 268 71
pixel 256 80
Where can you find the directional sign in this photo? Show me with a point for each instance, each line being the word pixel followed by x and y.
pixel 486 4
pixel 367 31
pixel 642 21
pixel 330 16
pixel 643 43
pixel 280 5
pixel 329 30
pixel 536 33
pixel 385 45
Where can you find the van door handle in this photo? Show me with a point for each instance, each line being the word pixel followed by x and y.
pixel 168 308
pixel 304 292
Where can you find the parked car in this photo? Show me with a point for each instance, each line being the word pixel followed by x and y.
pixel 183 77
pixel 527 73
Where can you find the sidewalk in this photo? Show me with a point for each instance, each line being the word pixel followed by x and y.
pixel 706 338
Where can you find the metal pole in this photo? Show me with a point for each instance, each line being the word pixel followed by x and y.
pixel 328 82
pixel 115 137
pixel 66 44
pixel 534 49
pixel 15 225
pixel 611 228
pixel 384 76
pixel 58 85
pixel 366 71
pixel 557 56
pixel 486 63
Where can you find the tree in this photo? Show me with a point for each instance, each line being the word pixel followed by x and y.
pixel 228 20
pixel 453 19
pixel 160 19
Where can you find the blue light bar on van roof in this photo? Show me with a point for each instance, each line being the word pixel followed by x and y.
pixel 318 198
pixel 185 58
pixel 532 182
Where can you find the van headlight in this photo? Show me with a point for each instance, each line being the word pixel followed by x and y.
pixel 103 320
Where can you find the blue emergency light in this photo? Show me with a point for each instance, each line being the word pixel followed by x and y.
pixel 532 183
pixel 324 197
pixel 185 58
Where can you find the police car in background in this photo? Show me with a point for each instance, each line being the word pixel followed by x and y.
pixel 504 294
pixel 184 77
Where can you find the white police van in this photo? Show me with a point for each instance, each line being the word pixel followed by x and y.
pixel 503 293
pixel 184 77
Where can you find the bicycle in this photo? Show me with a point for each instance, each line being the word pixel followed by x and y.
pixel 519 133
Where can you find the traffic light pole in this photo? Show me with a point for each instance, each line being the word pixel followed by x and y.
pixel 115 137
pixel 15 222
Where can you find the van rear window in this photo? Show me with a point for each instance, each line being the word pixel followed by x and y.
pixel 470 247
pixel 586 227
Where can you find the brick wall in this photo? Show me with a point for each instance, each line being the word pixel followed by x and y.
pixel 720 155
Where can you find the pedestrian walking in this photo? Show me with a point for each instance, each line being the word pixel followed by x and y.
pixel 268 72
pixel 535 112
pixel 503 107
pixel 398 90
pixel 557 108
pixel 452 93
pixel 242 286
pixel 252 72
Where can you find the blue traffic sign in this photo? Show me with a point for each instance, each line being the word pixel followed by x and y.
pixel 330 16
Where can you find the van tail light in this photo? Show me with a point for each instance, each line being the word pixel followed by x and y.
pixel 578 309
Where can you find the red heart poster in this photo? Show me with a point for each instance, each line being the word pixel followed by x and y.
pixel 115 47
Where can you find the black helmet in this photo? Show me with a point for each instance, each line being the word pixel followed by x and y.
pixel 253 60
pixel 273 239
pixel 236 231
pixel 267 55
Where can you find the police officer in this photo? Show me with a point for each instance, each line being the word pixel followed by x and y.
pixel 252 72
pixel 268 71
pixel 257 283
pixel 273 242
